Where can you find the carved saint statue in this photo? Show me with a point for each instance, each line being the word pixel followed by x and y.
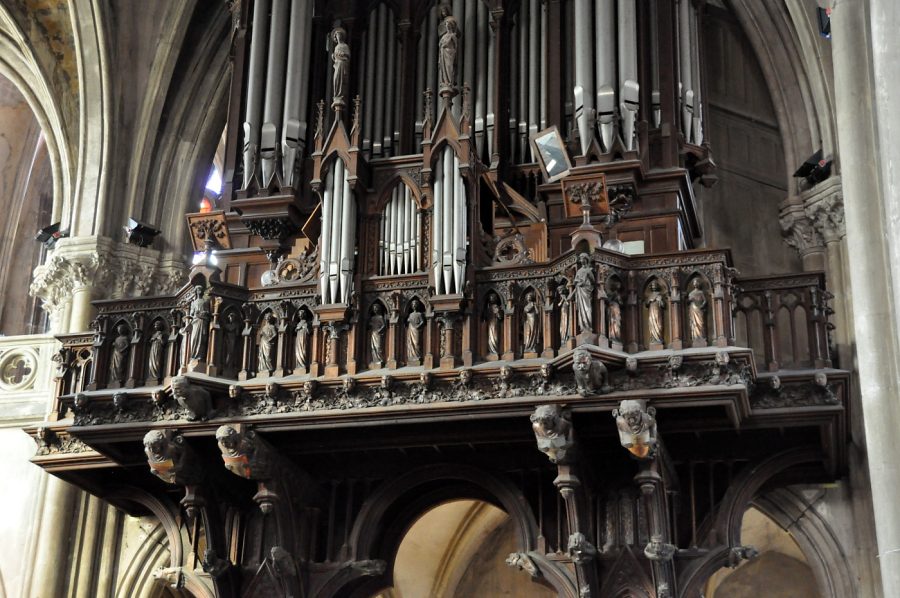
pixel 494 321
pixel 565 307
pixel 340 54
pixel 200 317
pixel 697 310
pixel 656 305
pixel 232 328
pixel 531 326
pixel 118 361
pixel 301 342
pixel 377 326
pixel 614 310
pixel 585 281
pixel 157 350
pixel 268 334
pixel 448 44
pixel 415 322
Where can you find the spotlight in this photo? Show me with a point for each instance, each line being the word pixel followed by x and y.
pixel 140 234
pixel 815 170
pixel 824 18
pixel 49 235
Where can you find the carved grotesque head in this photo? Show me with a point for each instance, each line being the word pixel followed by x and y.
pixel 465 377
pixel 156 445
pixel 506 373
pixel 631 365
pixel 235 391
pixel 180 386
pixel 158 397
pixel 387 382
pixel 637 427
pixel 229 440
pixel 425 379
pixel 309 387
pixel 545 420
pixel 349 384
pixel 775 383
pixel 546 371
pixel 675 362
pixel 722 358
pixel 581 360
pixel 119 400
pixel 272 389
pixel 820 379
pixel 44 436
pixel 80 402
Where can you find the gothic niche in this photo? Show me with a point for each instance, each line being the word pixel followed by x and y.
pixel 415 327
pixel 156 354
pixel 655 304
pixel 119 352
pixel 377 332
pixel 302 332
pixel 232 326
pixel 696 314
pixel 614 300
pixel 493 318
pixel 266 345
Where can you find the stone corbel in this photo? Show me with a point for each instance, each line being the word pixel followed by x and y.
pixel 799 231
pixel 824 206
pixel 174 462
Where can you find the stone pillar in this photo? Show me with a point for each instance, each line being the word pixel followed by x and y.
pixel 866 101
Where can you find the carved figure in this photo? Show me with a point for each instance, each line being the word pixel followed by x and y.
pixel 531 326
pixel 232 330
pixel 120 400
pixel 656 305
pixel 301 342
pixel 415 322
pixel 195 399
pixel 585 282
pixel 565 296
pixel 268 334
pixel 340 55
pixel 157 351
pixel 614 313
pixel 495 321
pixel 636 424
pixel 590 374
pixel 523 562
pixel 697 305
pixel 377 326
pixel 118 361
pixel 235 392
pixel 165 452
pixel 448 44
pixel 553 433
pixel 200 317
pixel 241 452
pixel 580 550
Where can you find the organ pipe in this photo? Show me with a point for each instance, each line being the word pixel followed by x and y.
pixel 534 67
pixel 380 84
pixel 348 238
pixel 437 245
pixel 258 44
pixel 390 103
pixel 274 90
pixel 293 140
pixel 584 78
pixel 696 125
pixel 369 104
pixel 447 253
pixel 334 266
pixel 325 239
pixel 629 100
pixel 605 36
pixel 684 67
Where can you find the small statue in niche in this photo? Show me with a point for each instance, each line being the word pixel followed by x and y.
pixel 266 352
pixel 118 361
pixel 531 326
pixel 415 322
pixel 448 44
pixel 340 55
pixel 232 328
pixel 377 326
pixel 494 322
pixel 200 317
pixel 697 305
pixel 157 350
pixel 565 307
pixel 656 305
pixel 585 282
pixel 614 311
pixel 301 342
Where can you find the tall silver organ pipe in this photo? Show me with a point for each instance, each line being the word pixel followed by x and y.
pixel 523 83
pixel 697 124
pixel 535 82
pixel 605 69
pixel 338 239
pixel 381 102
pixel 293 140
pixel 655 102
pixel 584 76
pixel 390 104
pixel 629 88
pixel 272 110
pixel 684 67
pixel 450 225
pixel 481 90
pixel 255 81
pixel 400 229
pixel 369 103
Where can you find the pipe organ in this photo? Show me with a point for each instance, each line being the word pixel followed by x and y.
pixel 401 229
pixel 337 245
pixel 448 258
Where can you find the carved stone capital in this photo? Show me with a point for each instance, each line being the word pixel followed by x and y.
pixel 798 230
pixel 824 206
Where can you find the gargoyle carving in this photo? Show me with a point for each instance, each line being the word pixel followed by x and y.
pixel 523 562
pixel 741 553
pixel 580 550
pixel 657 550
pixel 195 399
pixel 553 432
pixel 591 376
pixel 244 453
pixel 169 457
pixel 637 428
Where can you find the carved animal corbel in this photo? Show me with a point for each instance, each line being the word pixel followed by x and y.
pixel 523 562
pixel 245 454
pixel 195 399
pixel 591 376
pixel 580 550
pixel 553 433
pixel 169 458
pixel 636 424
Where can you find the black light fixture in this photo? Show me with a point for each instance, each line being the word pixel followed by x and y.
pixel 140 234
pixel 49 235
pixel 815 169
pixel 824 18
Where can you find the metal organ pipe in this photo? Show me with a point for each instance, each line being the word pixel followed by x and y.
pixel 491 93
pixel 293 139
pixel 380 84
pixel 417 263
pixel 543 8
pixel 274 90
pixel 524 68
pixel 459 225
pixel 255 72
pixel 605 61
pixel 389 104
pixel 684 67
pixel 481 97
pixel 334 264
pixel 629 88
pixel 447 253
pixel 348 237
pixel 697 128
pixel 369 103
pixel 470 41
pixel 437 245
pixel 584 77
pixel 534 74
pixel 325 239
pixel 654 64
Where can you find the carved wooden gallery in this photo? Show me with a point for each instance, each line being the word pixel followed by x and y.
pixel 456 256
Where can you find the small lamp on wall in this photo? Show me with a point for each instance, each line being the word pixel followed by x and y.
pixel 49 235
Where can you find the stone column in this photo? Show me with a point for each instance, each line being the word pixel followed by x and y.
pixel 866 101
